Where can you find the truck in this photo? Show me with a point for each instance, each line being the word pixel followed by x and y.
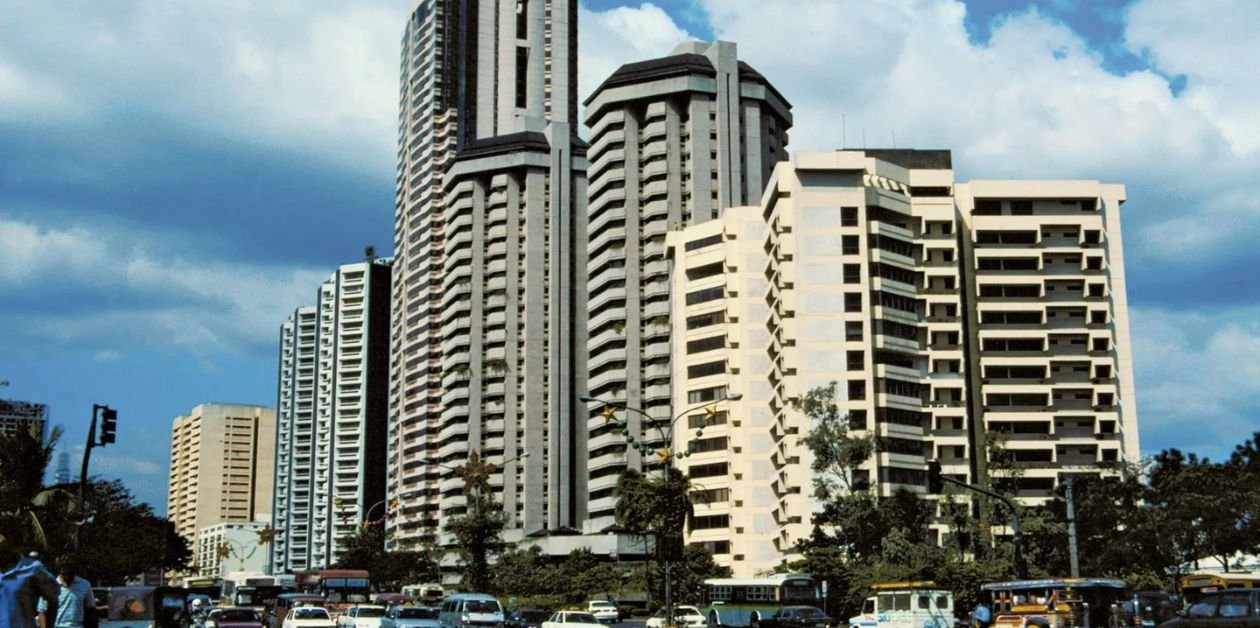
pixel 916 604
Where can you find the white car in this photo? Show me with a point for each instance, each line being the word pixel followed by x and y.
pixel 688 616
pixel 411 617
pixel 308 617
pixel 604 611
pixel 572 619
pixel 362 616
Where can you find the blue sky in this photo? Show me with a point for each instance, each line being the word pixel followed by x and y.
pixel 175 178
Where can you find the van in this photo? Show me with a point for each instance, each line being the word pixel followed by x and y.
pixel 471 610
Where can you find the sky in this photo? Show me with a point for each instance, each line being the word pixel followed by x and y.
pixel 177 176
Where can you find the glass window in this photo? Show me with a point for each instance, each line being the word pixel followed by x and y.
pixel 1235 605
pixel 942 602
pixel 901 602
pixel 1206 608
pixel 923 602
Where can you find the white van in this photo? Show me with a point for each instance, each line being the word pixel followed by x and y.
pixel 471 610
pixel 906 605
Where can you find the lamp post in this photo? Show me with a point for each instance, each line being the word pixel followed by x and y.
pixel 666 455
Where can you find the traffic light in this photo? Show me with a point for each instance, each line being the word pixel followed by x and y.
pixel 934 482
pixel 109 425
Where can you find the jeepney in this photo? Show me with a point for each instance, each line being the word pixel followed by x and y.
pixel 1053 602
pixel 920 604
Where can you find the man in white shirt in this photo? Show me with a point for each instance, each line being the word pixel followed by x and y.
pixel 76 607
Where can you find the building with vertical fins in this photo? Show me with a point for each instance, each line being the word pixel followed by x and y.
pixel 674 141
pixel 960 321
pixel 332 419
pixel 490 318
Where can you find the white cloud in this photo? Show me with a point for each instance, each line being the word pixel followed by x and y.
pixel 609 39
pixel 107 355
pixel 198 306
pixel 1198 377
pixel 1033 102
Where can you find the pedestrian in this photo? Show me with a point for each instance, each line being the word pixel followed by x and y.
pixel 76 608
pixel 981 618
pixel 23 581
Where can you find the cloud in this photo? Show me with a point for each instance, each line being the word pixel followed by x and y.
pixel 205 306
pixel 105 463
pixel 1198 377
pixel 1034 101
pixel 107 355
pixel 609 39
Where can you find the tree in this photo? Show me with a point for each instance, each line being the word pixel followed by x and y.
pixel 655 507
pixel 391 570
pixel 479 535
pixel 22 493
pixel 837 454
pixel 124 539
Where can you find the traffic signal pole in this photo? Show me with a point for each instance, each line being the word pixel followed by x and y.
pixel 109 423
pixel 936 481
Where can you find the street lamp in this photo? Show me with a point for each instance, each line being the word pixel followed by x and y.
pixel 666 454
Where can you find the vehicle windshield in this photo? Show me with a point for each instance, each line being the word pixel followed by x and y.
pixel 583 618
pixel 481 606
pixel 310 613
pixel 686 610
pixel 602 605
pixel 417 612
pixel 235 614
pixel 533 616
pixel 809 612
pixel 370 612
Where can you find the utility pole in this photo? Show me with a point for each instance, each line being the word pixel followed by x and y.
pixel 109 424
pixel 1071 521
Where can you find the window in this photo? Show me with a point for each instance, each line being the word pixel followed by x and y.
pixel 1021 208
pixel 850 245
pixel 848 216
pixel 705 320
pixel 706 369
pixel 853 302
pixel 703 242
pixel 1102 371
pixel 522 74
pixel 701 272
pixel 857 419
pixel 853 330
pixel 522 18
pixel 1100 344
pixel 923 602
pixel 1235 605
pixel 1095 290
pixel 697 421
pixel 1093 236
pixel 705 295
pixel 717 443
pixel 708 470
pixel 1205 608
pixel 710 522
pixel 857 389
pixel 942 603
pixel 1098 317
pixel 706 394
pixel 852 273
pixel 856 360
pixel 1093 263
pixel 987 207
pixel 1106 399
pixel 706 344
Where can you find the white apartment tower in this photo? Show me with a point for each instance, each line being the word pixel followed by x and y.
pixel 951 316
pixel 674 141
pixel 331 427
pixel 489 321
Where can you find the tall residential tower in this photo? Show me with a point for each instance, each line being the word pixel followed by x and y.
pixel 490 243
pixel 333 410
pixel 674 141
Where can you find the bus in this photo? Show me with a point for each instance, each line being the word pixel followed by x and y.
pixel 339 587
pixel 428 594
pixel 1194 586
pixel 745 601
pixel 210 587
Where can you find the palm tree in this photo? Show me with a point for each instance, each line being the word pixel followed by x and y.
pixel 22 492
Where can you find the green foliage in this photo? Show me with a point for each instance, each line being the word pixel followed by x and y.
pixel 527 574
pixel 655 507
pixel 479 535
pixel 391 570
pixel 837 453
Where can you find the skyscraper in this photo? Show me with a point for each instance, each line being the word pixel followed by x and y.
pixel 674 141
pixel 23 415
pixel 489 315
pixel 62 475
pixel 333 408
pixel 957 319
pixel 222 456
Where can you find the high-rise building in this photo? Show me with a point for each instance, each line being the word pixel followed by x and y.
pixel 333 412
pixel 62 475
pixel 23 415
pixel 222 456
pixel 490 242
pixel 957 319
pixel 234 546
pixel 674 141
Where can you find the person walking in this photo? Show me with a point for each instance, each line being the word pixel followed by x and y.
pixel 76 607
pixel 23 581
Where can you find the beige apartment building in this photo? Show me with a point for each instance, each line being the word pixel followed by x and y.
pixel 954 318
pixel 222 459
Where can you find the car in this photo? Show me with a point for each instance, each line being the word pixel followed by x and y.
pixel 572 619
pixel 604 611
pixel 463 610
pixel 361 616
pixel 1231 608
pixel 308 617
pixel 526 618
pixel 234 617
pixel 683 616
pixel 410 617
pixel 797 617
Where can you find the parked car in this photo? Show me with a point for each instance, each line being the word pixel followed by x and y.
pixel 526 618
pixel 1231 608
pixel 683 616
pixel 308 617
pixel 797 617
pixel 410 617
pixel 234 617
pixel 362 616
pixel 604 611
pixel 572 619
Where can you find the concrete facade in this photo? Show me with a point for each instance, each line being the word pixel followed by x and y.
pixel 875 270
pixel 674 141
pixel 24 415
pixel 333 401
pixel 489 323
pixel 222 456
pixel 239 540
